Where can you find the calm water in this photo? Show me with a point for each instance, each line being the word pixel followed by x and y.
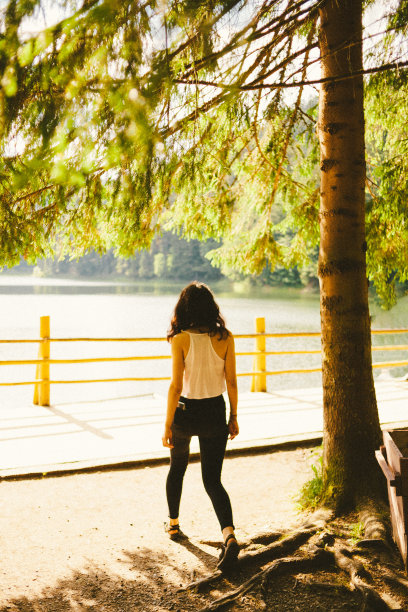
pixel 79 309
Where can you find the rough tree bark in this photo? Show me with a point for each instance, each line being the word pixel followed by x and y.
pixel 351 423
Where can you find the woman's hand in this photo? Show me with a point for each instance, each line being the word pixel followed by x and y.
pixel 233 427
pixel 167 438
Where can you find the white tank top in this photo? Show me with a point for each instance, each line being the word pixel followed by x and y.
pixel 204 374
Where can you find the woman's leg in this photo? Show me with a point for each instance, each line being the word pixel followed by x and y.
pixel 212 450
pixel 178 464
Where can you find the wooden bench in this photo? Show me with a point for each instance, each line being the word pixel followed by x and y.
pixel 393 460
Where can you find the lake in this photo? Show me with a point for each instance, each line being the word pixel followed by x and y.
pixel 102 309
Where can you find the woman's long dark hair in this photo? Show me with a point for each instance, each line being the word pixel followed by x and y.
pixel 196 307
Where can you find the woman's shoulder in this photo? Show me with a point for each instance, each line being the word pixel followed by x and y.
pixel 230 338
pixel 180 338
pixel 225 338
pixel 229 341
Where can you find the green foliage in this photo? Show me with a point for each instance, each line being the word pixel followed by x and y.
pixel 170 257
pixel 356 532
pixel 146 268
pixel 400 18
pixel 101 145
pixel 311 494
pixel 128 117
pixel 387 209
pixel 85 175
pixel 160 265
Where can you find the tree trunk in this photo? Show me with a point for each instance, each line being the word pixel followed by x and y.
pixel 351 424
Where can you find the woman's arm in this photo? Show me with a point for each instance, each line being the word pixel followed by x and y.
pixel 232 387
pixel 175 388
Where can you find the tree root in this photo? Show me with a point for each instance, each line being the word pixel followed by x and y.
pixel 284 546
pixel 392 578
pixel 279 566
pixel 344 560
pixel 372 600
pixel 377 544
pixel 203 583
pixel 317 558
pixel 372 517
pixel 276 549
pixel 357 572
pixel 265 538
pixel 261 556
pixel 324 550
pixel 331 587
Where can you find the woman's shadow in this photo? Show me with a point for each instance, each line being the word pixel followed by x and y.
pixel 209 560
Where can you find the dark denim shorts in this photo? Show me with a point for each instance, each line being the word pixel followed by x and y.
pixel 201 417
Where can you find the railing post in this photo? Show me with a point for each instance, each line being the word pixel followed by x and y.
pixel 259 380
pixel 42 388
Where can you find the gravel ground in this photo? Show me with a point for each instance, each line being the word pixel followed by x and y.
pixel 95 541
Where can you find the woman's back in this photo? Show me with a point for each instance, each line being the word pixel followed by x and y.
pixel 204 361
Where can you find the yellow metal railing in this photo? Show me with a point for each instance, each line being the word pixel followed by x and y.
pixel 42 382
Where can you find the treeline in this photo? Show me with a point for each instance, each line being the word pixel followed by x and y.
pixel 170 258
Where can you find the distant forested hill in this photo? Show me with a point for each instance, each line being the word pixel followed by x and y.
pixel 170 257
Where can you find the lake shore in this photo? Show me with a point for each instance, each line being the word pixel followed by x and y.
pixel 240 289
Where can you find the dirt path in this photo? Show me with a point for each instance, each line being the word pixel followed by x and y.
pixel 96 541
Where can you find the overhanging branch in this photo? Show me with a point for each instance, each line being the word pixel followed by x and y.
pixel 339 77
pixel 275 25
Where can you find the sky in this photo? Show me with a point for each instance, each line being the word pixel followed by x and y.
pixel 53 13
pixel 374 23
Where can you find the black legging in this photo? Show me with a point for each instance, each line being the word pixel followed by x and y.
pixel 205 418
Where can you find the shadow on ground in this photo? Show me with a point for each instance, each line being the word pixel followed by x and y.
pixel 158 578
pixel 154 588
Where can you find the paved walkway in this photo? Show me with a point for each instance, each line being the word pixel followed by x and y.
pixel 64 437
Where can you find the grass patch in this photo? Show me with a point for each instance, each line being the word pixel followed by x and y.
pixel 310 494
pixel 356 532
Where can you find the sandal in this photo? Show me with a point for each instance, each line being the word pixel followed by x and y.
pixel 229 554
pixel 173 531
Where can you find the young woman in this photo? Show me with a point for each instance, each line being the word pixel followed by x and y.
pixel 203 366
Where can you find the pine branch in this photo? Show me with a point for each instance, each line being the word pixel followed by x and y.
pixel 340 77
pixel 235 43
pixel 308 13
pixel 288 60
pixel 208 24
pixel 96 173
pixel 237 40
pixel 285 35
pixel 33 194
pixel 255 125
pixel 292 122
pixel 193 115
